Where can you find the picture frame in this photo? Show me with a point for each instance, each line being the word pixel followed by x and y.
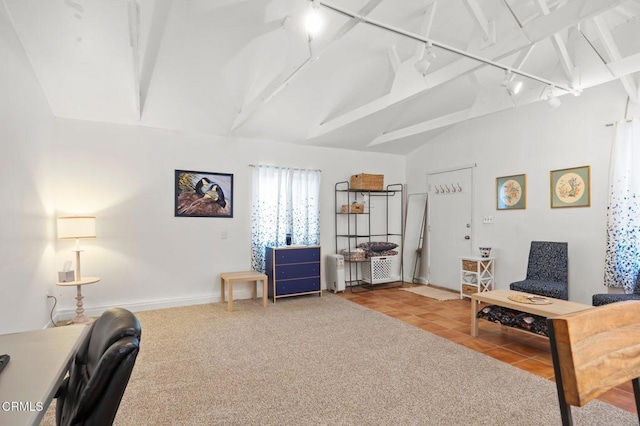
pixel 203 194
pixel 511 192
pixel 570 187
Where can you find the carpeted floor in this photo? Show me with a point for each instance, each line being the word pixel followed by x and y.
pixel 325 361
pixel 432 292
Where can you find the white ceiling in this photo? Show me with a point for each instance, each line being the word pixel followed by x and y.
pixel 248 68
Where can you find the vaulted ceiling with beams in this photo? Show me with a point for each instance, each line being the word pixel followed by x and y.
pixel 379 75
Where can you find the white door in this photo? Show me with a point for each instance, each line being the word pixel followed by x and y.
pixel 450 235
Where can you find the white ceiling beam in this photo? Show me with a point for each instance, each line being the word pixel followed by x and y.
pixel 559 45
pixel 161 9
pixel 425 29
pixel 475 82
pixel 436 123
pixel 436 78
pixel 283 79
pixel 565 17
pixel 394 58
pixel 565 58
pixel 299 45
pixel 614 54
pixel 271 90
pixel 629 10
pixel 134 43
pixel 348 26
pixel 487 27
pixel 624 67
pixel 362 111
pixel 523 56
pixel 627 65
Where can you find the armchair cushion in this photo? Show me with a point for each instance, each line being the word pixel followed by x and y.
pixel 542 288
pixel 606 298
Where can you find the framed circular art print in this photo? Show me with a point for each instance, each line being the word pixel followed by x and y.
pixel 570 187
pixel 511 192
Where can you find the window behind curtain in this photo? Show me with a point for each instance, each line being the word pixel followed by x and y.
pixel 622 260
pixel 284 201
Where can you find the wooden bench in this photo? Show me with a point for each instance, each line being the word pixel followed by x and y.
pixel 593 351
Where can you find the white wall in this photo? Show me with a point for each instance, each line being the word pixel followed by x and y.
pixel 148 258
pixel 535 139
pixel 145 256
pixel 26 251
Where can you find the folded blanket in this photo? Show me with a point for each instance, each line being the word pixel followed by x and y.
pixel 381 253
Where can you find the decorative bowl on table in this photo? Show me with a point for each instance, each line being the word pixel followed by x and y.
pixel 485 251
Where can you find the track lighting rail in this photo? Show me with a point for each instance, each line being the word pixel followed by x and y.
pixel 416 37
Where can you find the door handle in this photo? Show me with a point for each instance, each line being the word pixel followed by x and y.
pixel 466 237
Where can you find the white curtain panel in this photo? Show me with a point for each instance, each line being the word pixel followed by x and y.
pixel 284 201
pixel 622 260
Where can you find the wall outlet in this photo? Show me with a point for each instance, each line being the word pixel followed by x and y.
pixel 223 235
pixel 487 219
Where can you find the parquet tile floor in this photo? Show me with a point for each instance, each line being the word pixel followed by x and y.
pixel 451 319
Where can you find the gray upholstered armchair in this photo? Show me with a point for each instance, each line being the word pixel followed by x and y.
pixel 547 271
pixel 606 298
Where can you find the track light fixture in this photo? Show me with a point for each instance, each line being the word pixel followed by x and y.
pixel 448 48
pixel 423 64
pixel 551 98
pixel 512 85
pixel 313 21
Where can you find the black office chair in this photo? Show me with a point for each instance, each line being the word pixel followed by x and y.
pixel 606 298
pixel 547 271
pixel 99 374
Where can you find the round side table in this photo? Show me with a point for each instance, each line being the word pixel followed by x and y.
pixel 80 318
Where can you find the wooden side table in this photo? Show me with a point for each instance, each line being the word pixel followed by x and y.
pixel 230 278
pixel 476 275
pixel 80 318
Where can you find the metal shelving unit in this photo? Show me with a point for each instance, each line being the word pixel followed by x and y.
pixel 355 228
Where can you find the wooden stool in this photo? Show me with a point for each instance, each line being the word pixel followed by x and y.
pixel 246 276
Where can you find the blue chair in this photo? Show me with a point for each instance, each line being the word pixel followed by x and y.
pixel 606 298
pixel 547 271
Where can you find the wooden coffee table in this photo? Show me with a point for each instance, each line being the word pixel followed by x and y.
pixel 501 298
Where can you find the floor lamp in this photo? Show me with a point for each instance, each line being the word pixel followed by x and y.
pixel 77 227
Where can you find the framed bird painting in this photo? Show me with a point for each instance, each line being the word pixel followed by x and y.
pixel 203 194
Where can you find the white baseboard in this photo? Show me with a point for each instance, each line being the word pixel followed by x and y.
pixel 67 314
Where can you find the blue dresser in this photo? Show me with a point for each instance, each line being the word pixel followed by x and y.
pixel 293 270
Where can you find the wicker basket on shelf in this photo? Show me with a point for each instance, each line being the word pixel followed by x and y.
pixel 352 208
pixel 367 182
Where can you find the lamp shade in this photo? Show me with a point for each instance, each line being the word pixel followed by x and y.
pixel 73 227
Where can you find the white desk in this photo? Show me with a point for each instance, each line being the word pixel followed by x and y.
pixel 39 362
